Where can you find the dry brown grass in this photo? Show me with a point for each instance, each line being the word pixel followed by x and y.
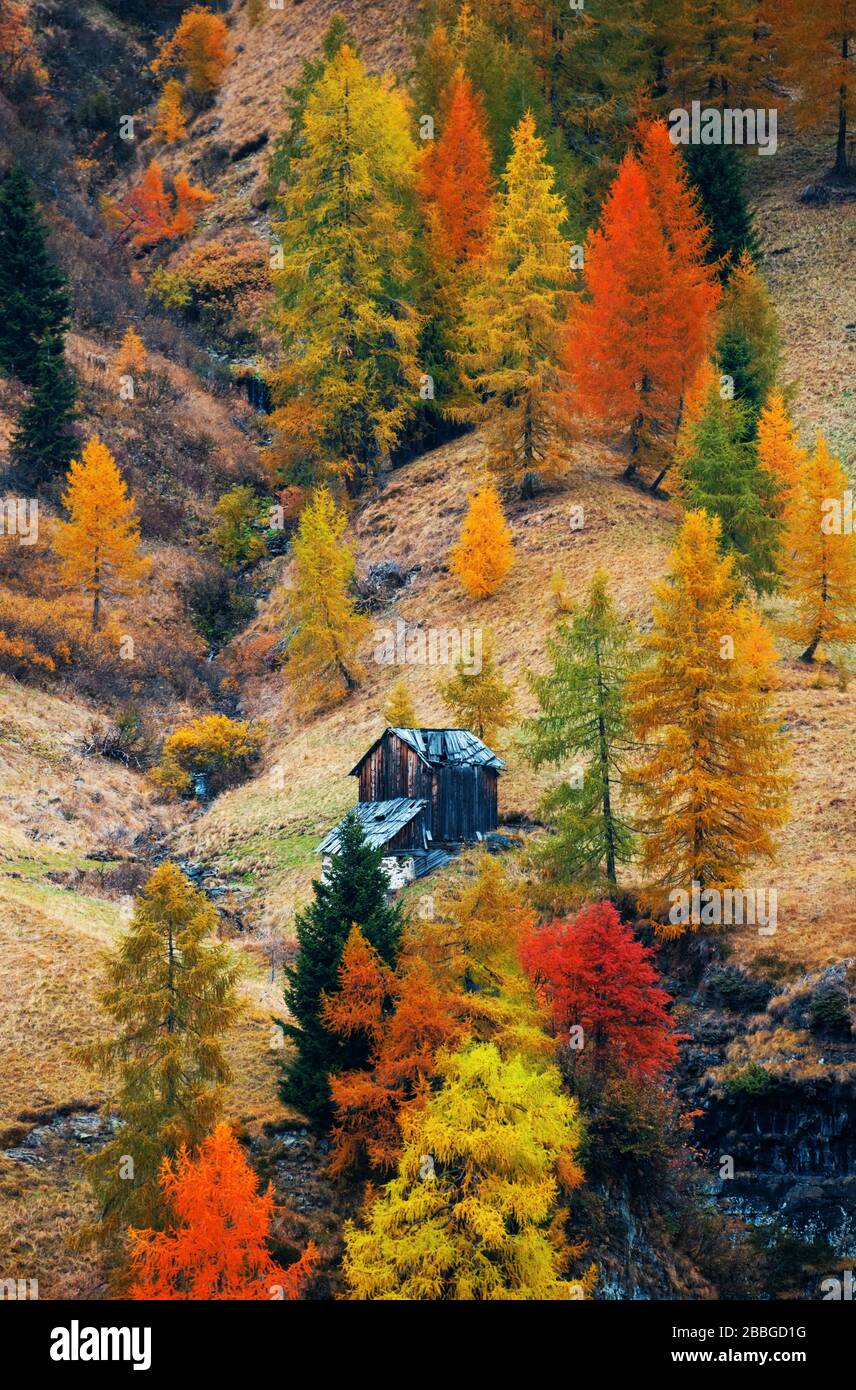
pixel 810 266
pixel 268 58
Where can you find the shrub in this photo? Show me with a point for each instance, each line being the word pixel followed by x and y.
pixel 217 605
pixel 226 280
pixel 751 1080
pixel 235 532
pixel 734 989
pixel 219 749
pixel 169 287
pixel 39 636
pixel 129 740
pixel 829 1011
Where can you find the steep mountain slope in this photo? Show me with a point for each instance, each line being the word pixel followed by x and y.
pixel 60 809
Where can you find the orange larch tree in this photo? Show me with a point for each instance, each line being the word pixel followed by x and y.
pixel 18 54
pixel 715 51
pixel 456 182
pixel 484 551
pixel 637 343
pixel 712 784
pixel 406 1020
pixel 199 47
pixel 99 544
pixel 623 349
pixel 779 449
pixel 687 235
pixel 817 46
pixel 215 1246
pixel 148 214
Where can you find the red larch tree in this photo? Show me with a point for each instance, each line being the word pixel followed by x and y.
pixel 594 974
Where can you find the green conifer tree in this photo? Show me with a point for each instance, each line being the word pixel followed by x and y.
pixel 353 891
pixel 32 290
pixel 594 61
pixel 719 172
pixel 582 700
pixel 44 441
pixel 721 476
pixel 748 347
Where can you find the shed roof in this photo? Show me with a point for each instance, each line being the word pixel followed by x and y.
pixel 436 746
pixel 381 820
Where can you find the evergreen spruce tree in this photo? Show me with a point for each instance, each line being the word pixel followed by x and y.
pixel 718 172
pixel 44 440
pixel 354 891
pixel 721 476
pixel 593 61
pixel 582 700
pixel 747 347
pixel 32 290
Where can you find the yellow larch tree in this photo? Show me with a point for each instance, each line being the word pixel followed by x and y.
pixel 132 358
pixel 778 445
pixel 712 783
pixel 484 551
pixel 99 545
pixel 468 1217
pixel 399 710
pixel 513 317
pixel 170 125
pixel 820 556
pixel 323 625
pixel 480 700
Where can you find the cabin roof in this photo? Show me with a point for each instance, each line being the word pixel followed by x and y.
pixel 438 746
pixel 381 820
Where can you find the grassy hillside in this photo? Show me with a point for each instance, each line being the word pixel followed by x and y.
pixel 78 831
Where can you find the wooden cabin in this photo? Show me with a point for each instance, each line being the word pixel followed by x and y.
pixel 422 793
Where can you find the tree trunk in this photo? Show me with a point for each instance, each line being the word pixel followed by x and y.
pixel 840 167
pixel 603 754
pixel 96 602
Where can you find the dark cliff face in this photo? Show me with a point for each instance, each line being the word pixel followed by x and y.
pixel 769 1069
pixel 794 1157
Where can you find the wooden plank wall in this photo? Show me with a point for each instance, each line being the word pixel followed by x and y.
pixel 463 798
